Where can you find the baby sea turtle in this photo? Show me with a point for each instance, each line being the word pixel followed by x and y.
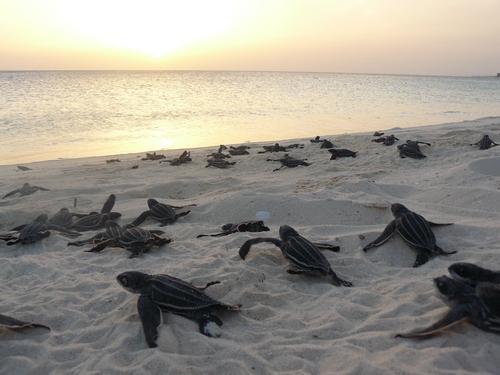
pixel 26 189
pixel 317 139
pixel 15 324
pixel 167 293
pixel 133 239
pixel 153 156
pixel 164 213
pixel 327 144
pixel 411 149
pixel 245 226
pixel 23 168
pixel 304 255
pixel 485 143
pixel 378 134
pixel 288 161
pixel 219 163
pixel 341 153
pixel 107 208
pixel 274 148
pixel 63 218
pixel 472 274
pixel 238 151
pixel 111 161
pixel 479 305
pixel 415 230
pixel 38 229
pixel 185 157
pixel 95 220
pixel 240 147
pixel 387 140
pixel 219 154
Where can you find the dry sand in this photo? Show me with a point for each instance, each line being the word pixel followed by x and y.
pixel 289 323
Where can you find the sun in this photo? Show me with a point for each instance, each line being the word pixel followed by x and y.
pixel 151 27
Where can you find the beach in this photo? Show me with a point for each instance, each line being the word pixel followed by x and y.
pixel 288 324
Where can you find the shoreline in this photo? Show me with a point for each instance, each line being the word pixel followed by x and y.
pixel 300 139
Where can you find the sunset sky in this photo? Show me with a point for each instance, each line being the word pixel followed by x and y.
pixel 448 37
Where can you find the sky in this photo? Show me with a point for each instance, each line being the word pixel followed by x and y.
pixel 442 37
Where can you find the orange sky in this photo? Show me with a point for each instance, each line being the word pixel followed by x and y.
pixel 455 37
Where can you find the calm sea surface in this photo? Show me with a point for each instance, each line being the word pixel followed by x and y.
pixel 48 115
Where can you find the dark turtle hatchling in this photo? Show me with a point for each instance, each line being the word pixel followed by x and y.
pixel 26 189
pixel 472 274
pixel 164 213
pixel 245 226
pixel 479 305
pixel 304 255
pixel 219 163
pixel 290 162
pixel 219 154
pixel 169 294
pixel 341 153
pixel 485 143
pixel 415 230
pixel 327 144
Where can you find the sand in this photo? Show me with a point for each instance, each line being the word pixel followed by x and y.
pixel 288 323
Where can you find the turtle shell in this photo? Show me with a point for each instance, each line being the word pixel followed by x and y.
pixel 179 296
pixel 416 231
pixel 134 235
pixel 161 211
pixel 305 255
pixel 32 232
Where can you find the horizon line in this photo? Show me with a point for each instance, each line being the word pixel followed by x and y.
pixel 494 75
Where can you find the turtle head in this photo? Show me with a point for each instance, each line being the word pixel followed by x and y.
pixel 468 273
pixel 398 209
pixel 133 281
pixel 448 287
pixel 286 232
pixel 152 203
pixel 262 226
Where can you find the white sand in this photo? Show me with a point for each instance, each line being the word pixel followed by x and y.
pixel 289 323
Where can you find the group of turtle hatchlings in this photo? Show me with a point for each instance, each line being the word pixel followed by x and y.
pixel 473 292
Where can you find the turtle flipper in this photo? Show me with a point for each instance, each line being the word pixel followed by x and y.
pixel 108 205
pixel 179 207
pixel 456 315
pixel 338 281
pixel 438 224
pixel 422 258
pixel 15 324
pixel 294 270
pixel 384 237
pixel 442 252
pixel 181 214
pixel 326 246
pixel 245 248
pixel 151 318
pixel 99 247
pixel 205 320
pixel 41 188
pixel 214 235
pixel 208 284
pixel 141 218
pixel 11 193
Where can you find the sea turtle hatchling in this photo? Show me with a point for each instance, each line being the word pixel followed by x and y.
pixel 290 162
pixel 478 304
pixel 219 154
pixel 245 226
pixel 164 213
pixel 133 239
pixel 415 230
pixel 341 153
pixel 219 163
pixel 304 255
pixel 485 143
pixel 35 231
pixel 167 293
pixel 26 189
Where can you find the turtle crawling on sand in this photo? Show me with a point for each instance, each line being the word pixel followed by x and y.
pixel 35 231
pixel 164 213
pixel 317 139
pixel 133 239
pixel 185 157
pixel 26 189
pixel 411 149
pixel 341 153
pixel 304 255
pixel 219 154
pixel 388 140
pixel 17 325
pixel 153 156
pixel 288 161
pixel 378 134
pixel 160 293
pixel 415 230
pixel 477 304
pixel 327 144
pixel 245 226
pixel 238 151
pixel 219 163
pixel 485 143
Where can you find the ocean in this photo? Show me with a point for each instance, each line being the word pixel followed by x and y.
pixel 65 114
